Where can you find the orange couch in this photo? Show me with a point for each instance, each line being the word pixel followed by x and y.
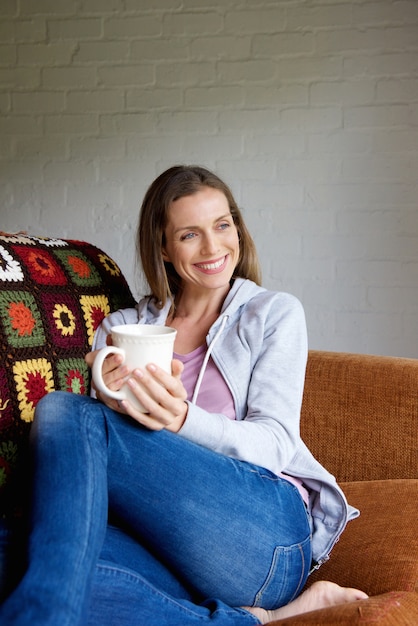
pixel 360 419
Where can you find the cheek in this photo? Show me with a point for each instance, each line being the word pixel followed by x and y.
pixel 177 257
pixel 170 252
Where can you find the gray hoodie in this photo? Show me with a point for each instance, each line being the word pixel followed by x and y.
pixel 259 345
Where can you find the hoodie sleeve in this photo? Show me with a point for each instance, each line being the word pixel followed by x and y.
pixel 263 359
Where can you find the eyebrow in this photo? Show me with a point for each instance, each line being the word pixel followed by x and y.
pixel 218 219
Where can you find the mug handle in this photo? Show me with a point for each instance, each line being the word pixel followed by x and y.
pixel 97 372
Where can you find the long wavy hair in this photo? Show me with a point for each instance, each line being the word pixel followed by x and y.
pixel 177 182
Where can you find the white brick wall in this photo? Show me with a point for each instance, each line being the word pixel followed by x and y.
pixel 308 108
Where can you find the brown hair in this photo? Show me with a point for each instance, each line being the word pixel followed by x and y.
pixel 177 182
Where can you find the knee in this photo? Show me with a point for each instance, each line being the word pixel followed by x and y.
pixel 52 405
pixel 65 417
pixel 55 409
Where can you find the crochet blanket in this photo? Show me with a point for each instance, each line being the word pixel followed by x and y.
pixel 53 295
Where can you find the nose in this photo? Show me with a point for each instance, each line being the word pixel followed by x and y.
pixel 210 244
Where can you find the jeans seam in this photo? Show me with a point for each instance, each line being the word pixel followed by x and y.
pixel 302 574
pixel 272 570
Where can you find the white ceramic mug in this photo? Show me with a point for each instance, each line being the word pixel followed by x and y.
pixel 139 344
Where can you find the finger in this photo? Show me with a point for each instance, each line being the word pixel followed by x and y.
pixel 89 357
pixel 177 368
pixel 162 406
pixel 111 362
pixel 159 418
pixel 170 382
pixel 114 372
pixel 115 405
pixel 144 418
pixel 149 392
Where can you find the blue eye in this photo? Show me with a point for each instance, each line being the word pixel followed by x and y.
pixel 187 236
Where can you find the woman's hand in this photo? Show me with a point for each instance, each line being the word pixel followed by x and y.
pixel 160 393
pixel 114 375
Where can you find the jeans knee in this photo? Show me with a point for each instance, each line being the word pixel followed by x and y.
pixel 57 409
pixel 49 400
pixel 52 406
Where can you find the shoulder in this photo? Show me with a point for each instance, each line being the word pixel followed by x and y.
pixel 260 302
pixel 261 317
pixel 272 314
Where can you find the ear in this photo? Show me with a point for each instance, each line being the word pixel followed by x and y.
pixel 165 256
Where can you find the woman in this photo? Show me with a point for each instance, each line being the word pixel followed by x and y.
pixel 217 510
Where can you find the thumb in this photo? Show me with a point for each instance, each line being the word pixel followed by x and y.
pixel 177 368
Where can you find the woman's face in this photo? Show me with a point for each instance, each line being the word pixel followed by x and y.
pixel 202 240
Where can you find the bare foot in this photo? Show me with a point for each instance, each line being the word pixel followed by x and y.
pixel 320 595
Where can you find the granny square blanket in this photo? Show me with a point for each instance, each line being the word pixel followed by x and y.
pixel 53 295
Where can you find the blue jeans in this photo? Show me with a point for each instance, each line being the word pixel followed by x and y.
pixel 195 535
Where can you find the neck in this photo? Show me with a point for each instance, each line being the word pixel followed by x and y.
pixel 199 306
pixel 192 318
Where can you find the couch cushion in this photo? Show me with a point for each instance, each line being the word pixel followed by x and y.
pixel 378 552
pixel 53 295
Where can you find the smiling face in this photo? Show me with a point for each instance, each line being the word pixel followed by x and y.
pixel 201 241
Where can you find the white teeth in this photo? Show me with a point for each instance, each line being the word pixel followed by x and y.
pixel 211 266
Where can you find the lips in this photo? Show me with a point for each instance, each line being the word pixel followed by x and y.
pixel 213 266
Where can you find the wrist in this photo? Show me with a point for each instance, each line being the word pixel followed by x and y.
pixel 178 421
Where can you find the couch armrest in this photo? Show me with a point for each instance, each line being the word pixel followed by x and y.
pixel 389 609
pixel 360 415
